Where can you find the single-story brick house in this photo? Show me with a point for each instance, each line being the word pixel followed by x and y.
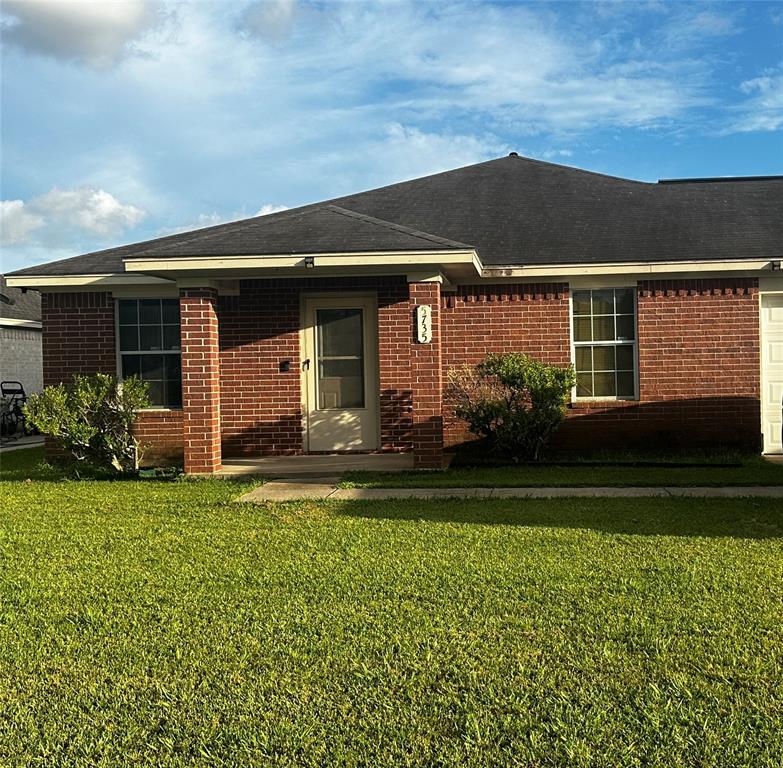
pixel 331 327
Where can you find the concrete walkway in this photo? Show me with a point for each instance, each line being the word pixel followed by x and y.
pixel 30 441
pixel 294 491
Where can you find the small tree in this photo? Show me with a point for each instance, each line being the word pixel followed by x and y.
pixel 512 400
pixel 92 417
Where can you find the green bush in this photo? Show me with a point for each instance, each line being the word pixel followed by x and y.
pixel 92 418
pixel 512 400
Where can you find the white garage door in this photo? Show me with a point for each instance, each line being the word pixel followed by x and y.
pixel 772 371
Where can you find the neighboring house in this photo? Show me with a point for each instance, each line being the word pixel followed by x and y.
pixel 332 327
pixel 20 337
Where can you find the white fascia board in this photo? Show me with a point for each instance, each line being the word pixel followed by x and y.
pixel 61 282
pixel 627 268
pixel 12 322
pixel 297 261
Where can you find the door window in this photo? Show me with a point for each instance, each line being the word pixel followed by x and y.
pixel 340 358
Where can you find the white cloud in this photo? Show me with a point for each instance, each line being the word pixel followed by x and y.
pixel 265 210
pixel 270 20
pixel 67 215
pixel 16 222
pixel 413 152
pixel 763 109
pixel 93 210
pixel 215 218
pixel 95 32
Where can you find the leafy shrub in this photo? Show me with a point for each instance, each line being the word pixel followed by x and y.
pixel 512 400
pixel 92 418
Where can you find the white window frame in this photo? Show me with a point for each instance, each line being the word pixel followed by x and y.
pixel 119 353
pixel 615 343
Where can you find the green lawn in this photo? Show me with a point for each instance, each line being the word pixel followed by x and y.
pixel 161 624
pixel 678 471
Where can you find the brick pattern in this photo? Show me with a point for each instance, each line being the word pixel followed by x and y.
pixel 20 357
pixel 698 360
pixel 261 408
pixel 160 436
pixel 512 317
pixel 200 380
pixel 78 335
pixel 698 355
pixel 426 363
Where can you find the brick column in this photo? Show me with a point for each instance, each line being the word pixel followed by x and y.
pixel 200 380
pixel 426 381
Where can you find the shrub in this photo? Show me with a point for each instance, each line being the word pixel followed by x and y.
pixel 512 400
pixel 92 418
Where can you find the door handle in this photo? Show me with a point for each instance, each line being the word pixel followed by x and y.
pixel 306 364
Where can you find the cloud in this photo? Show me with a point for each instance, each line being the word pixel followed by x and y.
pixel 215 218
pixel 269 20
pixel 95 32
pixel 16 222
pixel 265 210
pixel 763 109
pixel 295 102
pixel 66 215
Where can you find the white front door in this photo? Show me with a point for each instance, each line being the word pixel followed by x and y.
pixel 340 369
pixel 772 372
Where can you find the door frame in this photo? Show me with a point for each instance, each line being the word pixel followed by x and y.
pixel 369 302
pixel 764 293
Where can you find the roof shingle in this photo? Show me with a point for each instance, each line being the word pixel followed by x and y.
pixel 512 210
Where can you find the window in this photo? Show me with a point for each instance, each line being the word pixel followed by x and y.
pixel 604 333
pixel 149 344
pixel 340 358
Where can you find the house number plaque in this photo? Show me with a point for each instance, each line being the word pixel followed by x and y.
pixel 424 324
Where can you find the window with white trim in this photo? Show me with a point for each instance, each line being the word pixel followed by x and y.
pixel 604 334
pixel 149 347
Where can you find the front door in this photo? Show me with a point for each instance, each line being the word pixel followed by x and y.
pixel 340 369
pixel 772 372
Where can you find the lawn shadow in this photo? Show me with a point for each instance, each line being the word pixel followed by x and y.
pixel 748 518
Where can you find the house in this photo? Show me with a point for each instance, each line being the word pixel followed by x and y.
pixel 20 337
pixel 331 327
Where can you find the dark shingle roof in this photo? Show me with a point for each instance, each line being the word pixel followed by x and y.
pixel 18 305
pixel 321 229
pixel 512 210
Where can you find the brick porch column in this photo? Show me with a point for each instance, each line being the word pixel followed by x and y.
pixel 200 380
pixel 426 381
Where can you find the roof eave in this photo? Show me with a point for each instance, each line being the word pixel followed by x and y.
pixel 630 268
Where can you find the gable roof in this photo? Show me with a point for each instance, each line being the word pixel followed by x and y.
pixel 512 211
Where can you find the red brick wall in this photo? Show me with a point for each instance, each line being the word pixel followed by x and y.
pixel 77 335
pixel 698 360
pixel 427 380
pixel 261 407
pixel 160 435
pixel 200 379
pixel 478 319
pixel 699 380
pixel 698 343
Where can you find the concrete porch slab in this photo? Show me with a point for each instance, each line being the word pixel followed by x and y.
pixel 329 466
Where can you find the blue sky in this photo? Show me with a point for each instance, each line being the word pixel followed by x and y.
pixel 123 121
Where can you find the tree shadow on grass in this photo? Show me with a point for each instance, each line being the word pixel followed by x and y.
pixel 748 518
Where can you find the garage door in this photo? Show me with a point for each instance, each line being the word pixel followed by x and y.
pixel 772 371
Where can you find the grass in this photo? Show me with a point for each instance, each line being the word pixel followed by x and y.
pixel 739 470
pixel 158 623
